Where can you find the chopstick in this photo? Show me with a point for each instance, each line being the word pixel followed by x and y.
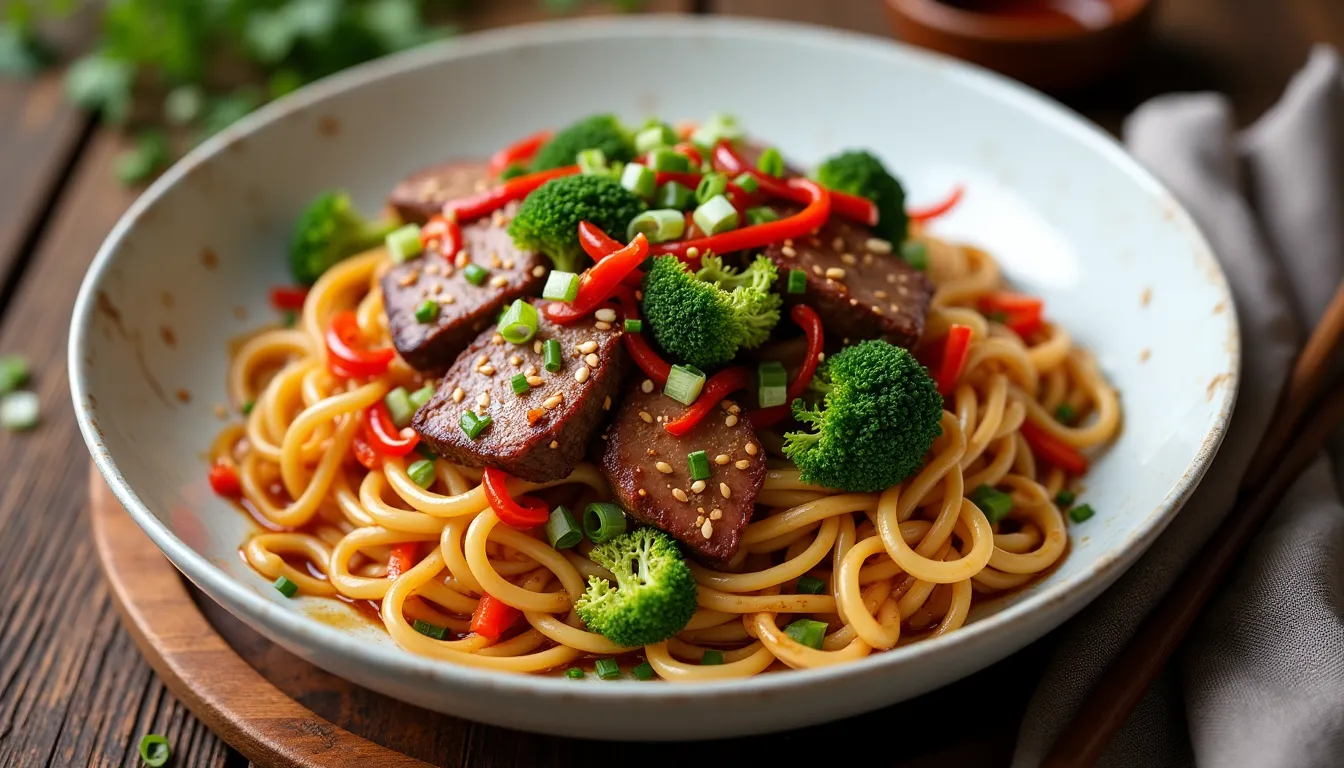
pixel 1273 472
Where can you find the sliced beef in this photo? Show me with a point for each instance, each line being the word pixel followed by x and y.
pixel 465 309
pixel 423 193
pixel 648 472
pixel 541 434
pixel 858 285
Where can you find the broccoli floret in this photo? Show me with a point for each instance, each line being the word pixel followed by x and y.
pixel 860 173
pixel 880 414
pixel 704 317
pixel 654 596
pixel 329 230
pixel 602 132
pixel 548 220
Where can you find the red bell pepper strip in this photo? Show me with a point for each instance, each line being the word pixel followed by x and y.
pixel 808 319
pixel 493 617
pixel 288 298
pixel 224 481
pixel 599 282
pixel 599 245
pixel 403 558
pixel 1019 312
pixel 925 215
pixel 804 222
pixel 442 233
pixel 1050 448
pixel 955 351
pixel 364 453
pixel 348 361
pixel 719 386
pixel 517 152
pixel 853 207
pixel 383 436
pixel 497 197
pixel 523 513
pixel 653 366
pixel 690 151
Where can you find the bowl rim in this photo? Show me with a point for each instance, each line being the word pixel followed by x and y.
pixel 980 26
pixel 378 658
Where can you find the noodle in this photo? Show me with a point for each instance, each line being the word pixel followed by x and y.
pixel 901 565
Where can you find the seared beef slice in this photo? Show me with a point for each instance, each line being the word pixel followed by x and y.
pixel 422 194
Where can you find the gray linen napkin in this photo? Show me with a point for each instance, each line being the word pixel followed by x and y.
pixel 1260 680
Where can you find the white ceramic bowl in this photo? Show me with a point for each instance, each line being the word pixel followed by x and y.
pixel 1068 213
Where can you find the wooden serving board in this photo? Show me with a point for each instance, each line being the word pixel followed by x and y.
pixel 278 710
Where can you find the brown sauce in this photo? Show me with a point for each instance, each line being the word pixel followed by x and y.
pixel 1078 14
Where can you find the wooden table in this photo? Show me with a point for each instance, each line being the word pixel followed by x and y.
pixel 73 689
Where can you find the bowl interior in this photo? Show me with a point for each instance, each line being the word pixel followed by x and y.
pixel 1066 212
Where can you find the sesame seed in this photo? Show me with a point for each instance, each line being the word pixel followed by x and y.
pixel 867 258
pixel 838 243
pixel 901 290
pixel 482 360
pixel 458 394
pixel 692 253
pixel 742 463
pixel 431 268
pixel 449 299
pixel 538 271
pixel 488 370
pixel 707 530
pixel 725 490
pixel 536 346
pixel 555 444
pixel 495 338
pixel 534 415
pixel 648 419
pixel 891 278
pixel 698 486
pixel 606 315
pixel 835 273
pixel 643 492
pixel 508 263
pixel 651 452
pixel 699 520
pixel 896 308
pixel 592 360
pixel 409 278
pixel 606 404
pixel 679 495
pixel 853 302
pixel 515 360
pixel 821 357
pixel 582 374
pixel 647 386
pixel 499 281
pixel 734 408
pixel 495 263
pixel 587 346
pixel 535 381
pixel 721 459
pixel 879 294
pixel 750 448
pixel 816 270
pixel 877 310
pixel 483 400
pixel 716 514
pixel 731 420
pixel 849 259
pixel 663 467
pixel 436 288
pixel 530 370
pixel 462 259
pixel 878 245
pixel 551 403
pixel 788 251
pixel 602 326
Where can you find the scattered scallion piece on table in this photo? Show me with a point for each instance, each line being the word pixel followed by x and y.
pixel 519 384
pixel 674 195
pixel 561 286
pixel 474 425
pixel 421 396
pixel 607 669
pixel 1081 513
pixel 399 407
pixel 659 226
pixel 634 325
pixel 684 383
pixel 403 243
pixel 286 587
pixel 772 383
pixel 603 521
pixel 574 673
pixel 421 472
pixel 807 632
pixel 553 355
pixel 698 464
pixel 1066 414
pixel 562 530
pixel 994 503
pixel 811 585
pixel 427 311
pixel 475 274
pixel 761 215
pixel 155 750
pixel 715 216
pixel 19 411
pixel 429 630
pixel 643 671
pixel 797 281
pixel 711 657
pixel 771 162
pixel 1065 498
pixel 711 185
pixel 13 373
pixel 637 178
pixel 916 254
pixel 519 323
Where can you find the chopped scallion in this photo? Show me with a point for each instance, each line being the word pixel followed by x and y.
pixel 403 243
pixel 659 226
pixel 421 472
pixel 248 406
pixel 916 254
pixel 761 215
pixel 574 673
pixel 475 274
pixel 421 396
pixel 643 671
pixel 684 383
pixel 607 669
pixel 592 162
pixel 561 286
pixel 519 323
pixel 634 325
pixel 811 585
pixel 603 521
pixel 554 356
pixel 427 311
pixel 1066 414
pixel 474 425
pixel 674 195
pixel 286 587
pixel 154 750
pixel 666 160
pixel 807 632
pixel 429 630
pixel 747 182
pixel 519 384
pixel 771 162
pixel 654 137
pixel 562 530
pixel 719 126
pixel 637 178
pixel 1081 513
pixel 19 411
pixel 698 464
pixel 715 216
pixel 399 407
pixel 711 657
pixel 711 185
pixel 772 384
pixel 797 281
pixel 994 503
pixel 291 318
pixel 1065 498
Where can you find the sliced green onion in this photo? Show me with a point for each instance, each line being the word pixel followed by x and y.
pixel 698 464
pixel 772 384
pixel 607 669
pixel 554 356
pixel 519 384
pixel 574 673
pixel 519 323
pixel 1065 498
pixel 603 521
pixel 684 383
pixel 711 657
pixel 811 585
pixel 807 632
pixel 421 396
pixel 291 318
pixel 747 182
pixel 512 170
pixel 637 178
pixel 429 630
pixel 771 162
pixel 667 160
pixel 634 325
pixel 474 425
pixel 1081 513
pixel 403 243
pixel 399 407
pixel 592 162
pixel 1066 414
pixel 475 274
pixel 421 472
pixel 19 411
pixel 562 530
pixel 719 126
pixel 674 195
pixel 715 216
pixel 644 671
pixel 797 281
pixel 994 503
pixel 653 138
pixel 154 750
pixel 711 185
pixel 761 215
pixel 286 587
pixel 248 406
pixel 916 254
pixel 561 286
pixel 658 226
pixel 427 311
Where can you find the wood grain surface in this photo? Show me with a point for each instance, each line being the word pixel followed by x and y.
pixel 73 689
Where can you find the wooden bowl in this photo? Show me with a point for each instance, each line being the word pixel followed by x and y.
pixel 1052 54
